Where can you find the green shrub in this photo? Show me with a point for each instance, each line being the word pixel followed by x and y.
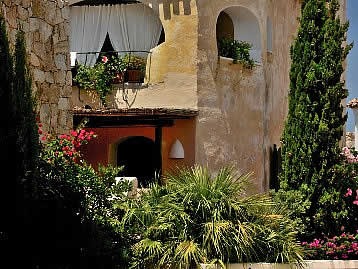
pixel 200 218
pixel 98 78
pixel 239 51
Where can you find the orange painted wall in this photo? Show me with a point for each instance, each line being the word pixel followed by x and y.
pixel 184 130
pixel 99 149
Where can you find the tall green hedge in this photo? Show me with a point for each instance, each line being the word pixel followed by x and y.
pixel 311 154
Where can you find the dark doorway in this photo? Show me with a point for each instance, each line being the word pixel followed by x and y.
pixel 140 158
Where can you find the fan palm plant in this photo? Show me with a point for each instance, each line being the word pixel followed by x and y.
pixel 198 218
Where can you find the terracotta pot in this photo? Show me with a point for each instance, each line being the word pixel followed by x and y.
pixel 134 76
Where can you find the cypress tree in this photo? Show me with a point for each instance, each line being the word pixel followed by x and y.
pixel 311 154
pixel 7 185
pixel 19 141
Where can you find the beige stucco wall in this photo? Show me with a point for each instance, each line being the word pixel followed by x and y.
pixel 46 27
pixel 241 114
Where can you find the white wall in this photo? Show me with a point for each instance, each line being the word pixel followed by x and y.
pixel 246 28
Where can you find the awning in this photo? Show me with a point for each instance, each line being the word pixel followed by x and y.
pixel 131 117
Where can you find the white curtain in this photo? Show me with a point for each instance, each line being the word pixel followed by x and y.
pixel 134 27
pixel 130 27
pixel 90 33
pixel 77 26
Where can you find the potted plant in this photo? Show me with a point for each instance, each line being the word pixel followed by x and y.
pixel 239 51
pixel 135 67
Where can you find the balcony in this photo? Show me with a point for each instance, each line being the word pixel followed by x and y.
pixel 119 67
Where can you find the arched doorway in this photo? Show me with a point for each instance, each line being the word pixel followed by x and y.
pixel 140 158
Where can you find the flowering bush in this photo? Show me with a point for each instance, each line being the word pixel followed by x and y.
pixel 344 247
pixel 64 148
pixel 351 157
pixel 83 195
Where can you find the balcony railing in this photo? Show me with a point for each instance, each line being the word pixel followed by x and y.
pixel 118 67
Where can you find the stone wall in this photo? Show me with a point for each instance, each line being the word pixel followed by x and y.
pixel 46 27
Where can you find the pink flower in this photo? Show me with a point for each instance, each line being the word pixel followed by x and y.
pixel 43 138
pixel 344 256
pixel 349 193
pixel 355 202
pixel 73 133
pixel 104 59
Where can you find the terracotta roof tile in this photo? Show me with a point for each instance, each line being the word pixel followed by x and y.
pixel 135 112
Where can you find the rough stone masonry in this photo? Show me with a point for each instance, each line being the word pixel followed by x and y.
pixel 46 26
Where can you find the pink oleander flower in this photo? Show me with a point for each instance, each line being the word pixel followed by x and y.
pixel 349 193
pixel 104 59
pixel 355 202
pixel 73 133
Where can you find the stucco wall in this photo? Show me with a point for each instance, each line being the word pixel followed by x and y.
pixel 46 28
pixel 241 114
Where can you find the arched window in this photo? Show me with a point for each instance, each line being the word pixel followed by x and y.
pixel 245 28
